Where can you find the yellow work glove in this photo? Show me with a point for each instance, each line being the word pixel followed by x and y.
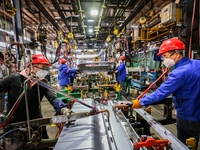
pixel 136 104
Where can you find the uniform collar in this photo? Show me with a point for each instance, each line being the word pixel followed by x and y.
pixel 180 62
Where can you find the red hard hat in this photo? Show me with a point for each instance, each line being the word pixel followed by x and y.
pixel 122 58
pixel 40 59
pixel 170 45
pixel 63 60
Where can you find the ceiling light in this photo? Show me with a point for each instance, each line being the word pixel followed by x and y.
pixel 90 20
pixel 90 30
pixel 94 12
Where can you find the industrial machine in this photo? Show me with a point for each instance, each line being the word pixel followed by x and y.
pixel 94 123
pixel 113 132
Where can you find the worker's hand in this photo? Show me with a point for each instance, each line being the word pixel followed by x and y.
pixel 65 111
pixel 136 104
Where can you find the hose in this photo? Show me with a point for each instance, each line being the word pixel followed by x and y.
pixel 13 130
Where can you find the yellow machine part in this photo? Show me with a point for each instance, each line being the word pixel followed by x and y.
pixel 70 35
pixel 117 87
pixel 143 20
pixel 69 88
pixel 105 94
pixel 55 44
pixel 178 14
pixel 108 39
pixel 116 31
pixel 191 142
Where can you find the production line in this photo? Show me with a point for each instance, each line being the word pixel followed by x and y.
pixel 99 74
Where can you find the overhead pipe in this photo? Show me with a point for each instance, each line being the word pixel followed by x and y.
pixel 134 13
pixel 45 13
pixel 81 15
pixel 191 31
pixel 56 5
pixel 100 15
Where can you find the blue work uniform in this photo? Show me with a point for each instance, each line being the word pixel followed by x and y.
pixel 64 75
pixel 121 78
pixel 184 85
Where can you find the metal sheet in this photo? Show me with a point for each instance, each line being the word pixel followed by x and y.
pixel 94 132
pixel 102 66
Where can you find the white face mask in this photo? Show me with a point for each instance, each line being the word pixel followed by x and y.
pixel 168 62
pixel 41 74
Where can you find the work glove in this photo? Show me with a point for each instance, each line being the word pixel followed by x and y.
pixel 58 105
pixel 65 111
pixel 136 104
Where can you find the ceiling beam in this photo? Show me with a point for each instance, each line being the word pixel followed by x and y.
pixel 57 6
pixel 45 13
pixel 136 10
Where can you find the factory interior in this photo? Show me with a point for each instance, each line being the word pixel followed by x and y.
pixel 93 37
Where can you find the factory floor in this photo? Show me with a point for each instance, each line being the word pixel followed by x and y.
pixel 156 112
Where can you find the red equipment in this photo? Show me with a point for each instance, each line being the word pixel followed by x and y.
pixel 151 143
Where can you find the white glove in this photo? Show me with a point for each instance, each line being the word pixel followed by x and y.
pixel 65 111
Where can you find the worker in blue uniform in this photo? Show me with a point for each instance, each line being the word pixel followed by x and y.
pixel 183 83
pixel 121 75
pixel 64 73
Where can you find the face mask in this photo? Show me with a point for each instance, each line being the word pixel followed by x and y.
pixel 168 62
pixel 41 74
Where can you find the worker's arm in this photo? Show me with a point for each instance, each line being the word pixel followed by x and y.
pixel 55 102
pixel 6 82
pixel 71 70
pixel 172 83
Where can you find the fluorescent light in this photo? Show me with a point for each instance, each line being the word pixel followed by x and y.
pixel 94 12
pixel 90 30
pixel 90 20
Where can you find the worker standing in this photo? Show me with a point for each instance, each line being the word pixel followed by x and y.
pixel 64 73
pixel 14 84
pixel 183 83
pixel 121 75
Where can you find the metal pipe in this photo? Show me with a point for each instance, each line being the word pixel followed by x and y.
pixel 81 15
pixel 45 13
pixel 199 22
pixel 134 13
pixel 192 24
pixel 106 111
pixel 27 109
pixel 56 5
pixel 100 16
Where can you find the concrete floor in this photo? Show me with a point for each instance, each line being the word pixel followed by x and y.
pixel 156 112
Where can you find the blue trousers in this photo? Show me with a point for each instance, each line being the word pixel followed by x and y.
pixel 187 129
